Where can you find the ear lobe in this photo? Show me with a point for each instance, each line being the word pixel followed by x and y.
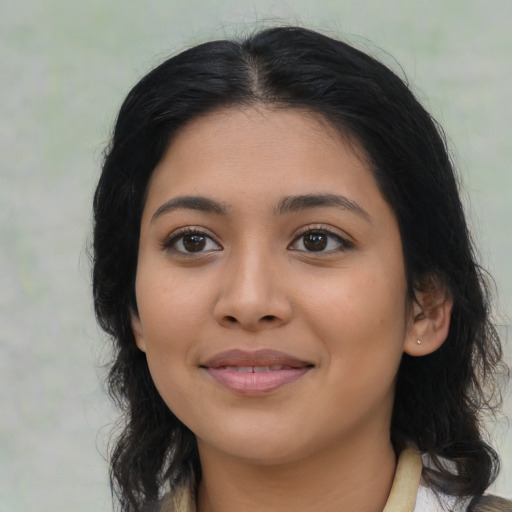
pixel 138 332
pixel 430 318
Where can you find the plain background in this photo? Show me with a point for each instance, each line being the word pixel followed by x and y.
pixel 64 70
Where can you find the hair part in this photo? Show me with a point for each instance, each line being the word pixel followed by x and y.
pixel 440 397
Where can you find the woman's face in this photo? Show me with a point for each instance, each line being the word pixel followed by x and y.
pixel 270 287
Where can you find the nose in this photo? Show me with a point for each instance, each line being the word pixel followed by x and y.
pixel 252 295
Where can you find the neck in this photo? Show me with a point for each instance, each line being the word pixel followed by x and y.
pixel 354 477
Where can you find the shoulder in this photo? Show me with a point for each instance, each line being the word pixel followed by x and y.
pixel 181 499
pixel 490 503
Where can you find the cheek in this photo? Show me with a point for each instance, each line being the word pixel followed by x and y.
pixel 170 315
pixel 175 309
pixel 361 322
pixel 170 302
pixel 353 295
pixel 171 321
pixel 359 314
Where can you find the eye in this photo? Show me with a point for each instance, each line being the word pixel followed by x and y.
pixel 320 240
pixel 190 242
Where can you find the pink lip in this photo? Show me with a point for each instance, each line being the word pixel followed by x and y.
pixel 255 373
pixel 264 357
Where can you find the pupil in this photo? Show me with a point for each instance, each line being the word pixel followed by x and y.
pixel 315 241
pixel 194 243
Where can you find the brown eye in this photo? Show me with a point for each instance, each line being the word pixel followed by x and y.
pixel 321 241
pixel 194 243
pixel 315 241
pixel 191 242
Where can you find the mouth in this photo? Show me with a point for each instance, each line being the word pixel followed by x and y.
pixel 257 369
pixel 255 373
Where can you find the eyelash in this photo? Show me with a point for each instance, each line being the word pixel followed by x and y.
pixel 170 243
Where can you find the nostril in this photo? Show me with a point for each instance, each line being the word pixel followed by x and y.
pixel 231 319
pixel 268 318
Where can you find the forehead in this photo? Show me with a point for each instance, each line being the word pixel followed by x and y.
pixel 259 122
pixel 277 144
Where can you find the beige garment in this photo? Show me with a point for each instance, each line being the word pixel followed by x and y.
pixel 402 497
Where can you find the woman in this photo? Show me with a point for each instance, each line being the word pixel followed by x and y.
pixel 283 262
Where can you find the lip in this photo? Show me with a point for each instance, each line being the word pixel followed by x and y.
pixel 262 357
pixel 255 373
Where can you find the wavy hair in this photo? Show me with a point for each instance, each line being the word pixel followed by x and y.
pixel 440 397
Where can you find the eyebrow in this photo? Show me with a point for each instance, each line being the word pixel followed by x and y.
pixel 199 203
pixel 302 202
pixel 287 204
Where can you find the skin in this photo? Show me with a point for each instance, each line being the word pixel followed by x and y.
pixel 322 441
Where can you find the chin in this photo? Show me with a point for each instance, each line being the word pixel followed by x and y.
pixel 263 447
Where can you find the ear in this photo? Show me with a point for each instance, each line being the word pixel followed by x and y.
pixel 430 317
pixel 138 332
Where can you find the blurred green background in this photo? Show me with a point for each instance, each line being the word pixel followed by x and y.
pixel 64 69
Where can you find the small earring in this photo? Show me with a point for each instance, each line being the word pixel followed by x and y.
pixel 418 341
